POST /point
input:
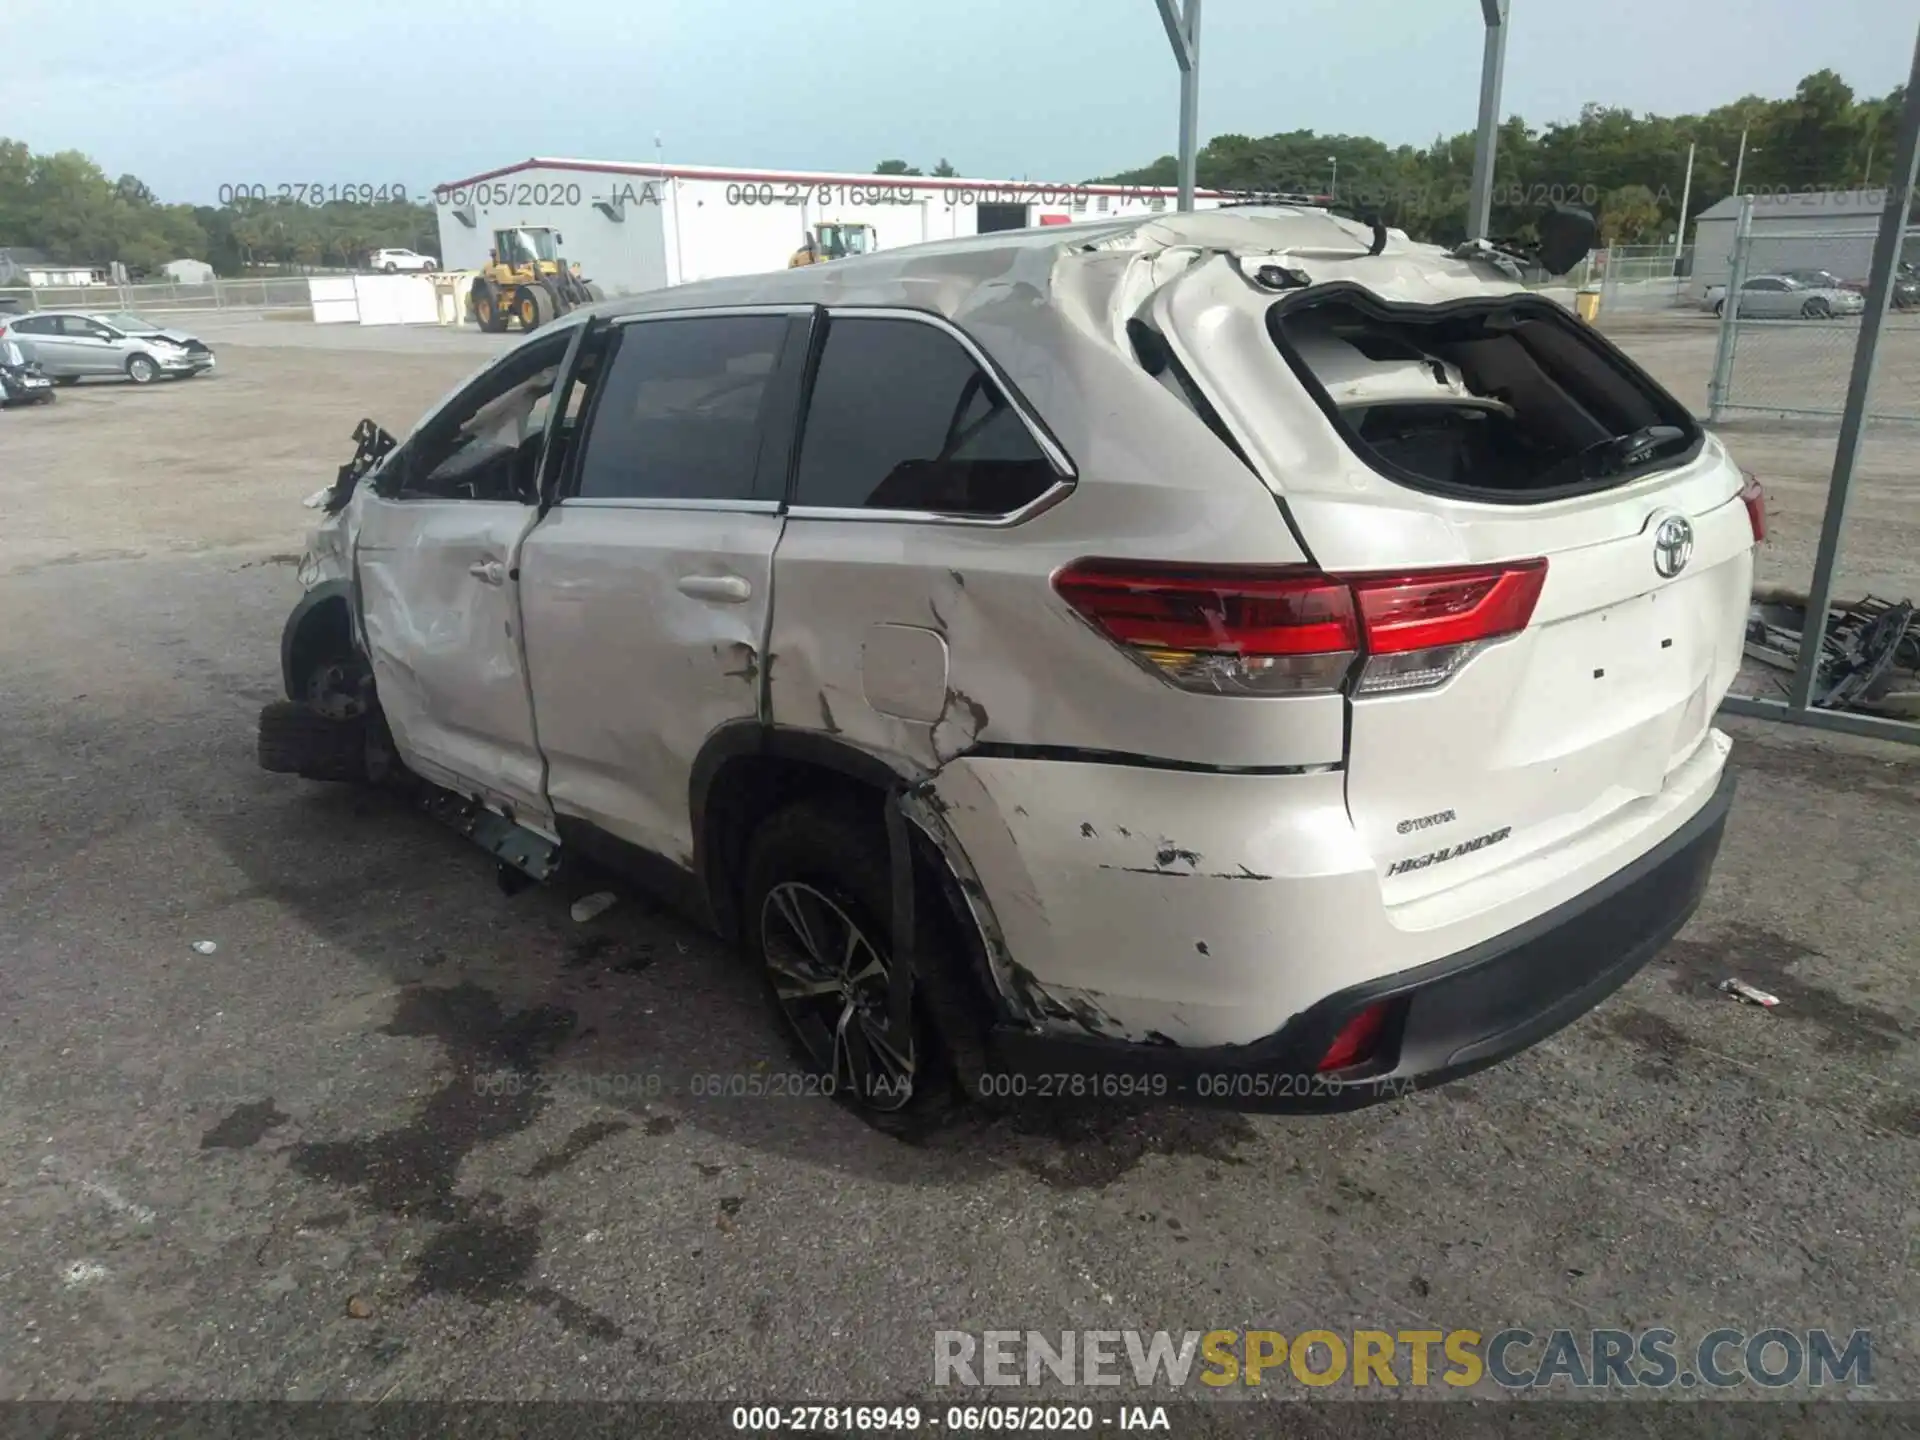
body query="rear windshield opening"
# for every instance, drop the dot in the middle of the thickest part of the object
(1506, 400)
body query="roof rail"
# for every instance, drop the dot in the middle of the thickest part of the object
(1277, 197)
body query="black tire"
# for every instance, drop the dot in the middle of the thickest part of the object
(66, 379)
(486, 308)
(535, 307)
(828, 860)
(141, 370)
(429, 267)
(1817, 309)
(392, 268)
(296, 739)
(1719, 306)
(594, 293)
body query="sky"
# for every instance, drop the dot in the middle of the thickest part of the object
(415, 93)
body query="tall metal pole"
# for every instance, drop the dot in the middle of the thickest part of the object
(1686, 198)
(1493, 64)
(1183, 33)
(1846, 455)
(1740, 163)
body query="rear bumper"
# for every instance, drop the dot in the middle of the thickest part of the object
(1450, 1017)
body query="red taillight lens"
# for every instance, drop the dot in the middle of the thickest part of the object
(1755, 499)
(1228, 630)
(1243, 630)
(1421, 628)
(1358, 1039)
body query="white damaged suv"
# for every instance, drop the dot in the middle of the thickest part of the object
(1226, 658)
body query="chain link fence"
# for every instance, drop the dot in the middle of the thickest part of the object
(1641, 279)
(286, 292)
(1789, 330)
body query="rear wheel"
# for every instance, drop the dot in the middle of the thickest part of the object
(66, 379)
(1816, 309)
(817, 915)
(1719, 306)
(141, 370)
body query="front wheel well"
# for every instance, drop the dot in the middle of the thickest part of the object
(319, 631)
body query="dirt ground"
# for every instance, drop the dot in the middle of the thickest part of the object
(271, 1168)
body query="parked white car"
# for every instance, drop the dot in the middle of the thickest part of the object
(1777, 297)
(394, 261)
(1194, 658)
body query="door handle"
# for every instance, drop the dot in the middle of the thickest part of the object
(730, 589)
(489, 572)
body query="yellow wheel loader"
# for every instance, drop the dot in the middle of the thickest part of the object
(526, 280)
(831, 241)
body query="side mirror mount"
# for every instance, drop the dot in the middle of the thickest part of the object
(558, 238)
(1566, 237)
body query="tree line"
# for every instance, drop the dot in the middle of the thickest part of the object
(1629, 169)
(65, 205)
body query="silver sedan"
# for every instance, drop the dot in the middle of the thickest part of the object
(74, 344)
(1765, 297)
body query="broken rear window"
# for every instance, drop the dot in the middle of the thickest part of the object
(1499, 399)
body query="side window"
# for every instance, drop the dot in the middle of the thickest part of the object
(682, 410)
(902, 418)
(34, 325)
(486, 444)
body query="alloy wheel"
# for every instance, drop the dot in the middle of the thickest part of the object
(831, 983)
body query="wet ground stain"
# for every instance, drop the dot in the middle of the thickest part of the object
(1760, 957)
(574, 1146)
(1664, 1047)
(244, 1128)
(480, 1252)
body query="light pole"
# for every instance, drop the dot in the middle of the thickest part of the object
(1740, 162)
(1333, 185)
(1183, 33)
(1686, 198)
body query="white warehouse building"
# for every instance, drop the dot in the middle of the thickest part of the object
(1800, 230)
(638, 227)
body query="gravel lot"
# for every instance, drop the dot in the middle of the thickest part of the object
(272, 1171)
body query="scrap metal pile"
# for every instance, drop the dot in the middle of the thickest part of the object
(1869, 657)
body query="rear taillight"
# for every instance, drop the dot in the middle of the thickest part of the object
(1421, 628)
(1224, 630)
(1247, 630)
(1755, 500)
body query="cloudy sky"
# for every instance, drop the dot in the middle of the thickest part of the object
(417, 92)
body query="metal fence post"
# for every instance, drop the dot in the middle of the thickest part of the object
(1717, 387)
(1846, 454)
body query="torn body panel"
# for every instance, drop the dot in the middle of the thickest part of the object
(646, 631)
(442, 632)
(1207, 910)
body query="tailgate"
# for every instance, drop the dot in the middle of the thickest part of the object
(1505, 747)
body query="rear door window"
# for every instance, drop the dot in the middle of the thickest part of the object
(903, 418)
(684, 410)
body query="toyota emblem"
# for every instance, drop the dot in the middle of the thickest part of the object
(1672, 546)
